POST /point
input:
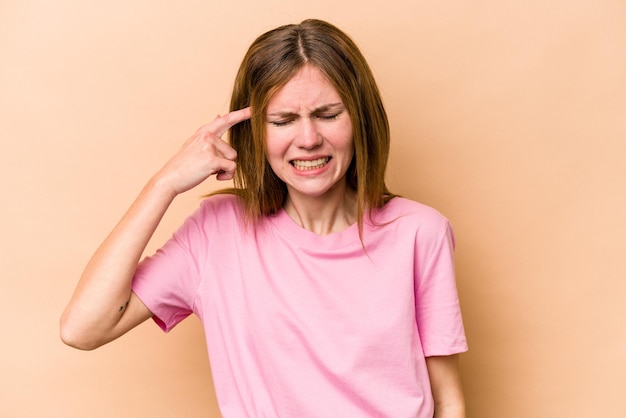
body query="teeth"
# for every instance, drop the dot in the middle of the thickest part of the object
(310, 164)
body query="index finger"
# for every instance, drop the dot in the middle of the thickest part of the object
(223, 123)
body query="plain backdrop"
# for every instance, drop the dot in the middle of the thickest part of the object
(507, 116)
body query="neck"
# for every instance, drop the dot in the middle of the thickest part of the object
(323, 215)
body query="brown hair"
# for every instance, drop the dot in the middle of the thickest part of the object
(271, 61)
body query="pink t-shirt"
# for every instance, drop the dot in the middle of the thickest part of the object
(302, 325)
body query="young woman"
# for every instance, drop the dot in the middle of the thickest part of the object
(321, 293)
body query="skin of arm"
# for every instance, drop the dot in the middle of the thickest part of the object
(445, 382)
(103, 306)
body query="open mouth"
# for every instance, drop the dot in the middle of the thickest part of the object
(310, 164)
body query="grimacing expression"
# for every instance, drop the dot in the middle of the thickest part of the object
(309, 143)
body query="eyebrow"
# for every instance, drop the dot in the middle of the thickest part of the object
(321, 109)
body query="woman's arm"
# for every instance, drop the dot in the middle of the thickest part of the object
(103, 306)
(445, 381)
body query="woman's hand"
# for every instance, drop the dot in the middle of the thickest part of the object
(204, 154)
(103, 306)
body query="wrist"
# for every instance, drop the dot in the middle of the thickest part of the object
(160, 185)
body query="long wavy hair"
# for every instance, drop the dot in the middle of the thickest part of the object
(271, 61)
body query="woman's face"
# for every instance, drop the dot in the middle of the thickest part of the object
(309, 136)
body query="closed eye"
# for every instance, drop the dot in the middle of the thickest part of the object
(329, 117)
(281, 122)
(286, 118)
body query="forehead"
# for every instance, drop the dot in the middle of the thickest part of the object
(307, 89)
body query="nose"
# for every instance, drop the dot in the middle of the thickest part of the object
(308, 135)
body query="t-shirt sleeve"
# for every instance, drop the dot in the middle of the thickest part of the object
(167, 281)
(437, 307)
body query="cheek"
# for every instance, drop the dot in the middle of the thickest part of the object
(347, 144)
(346, 136)
(275, 149)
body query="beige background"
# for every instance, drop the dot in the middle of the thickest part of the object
(508, 116)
